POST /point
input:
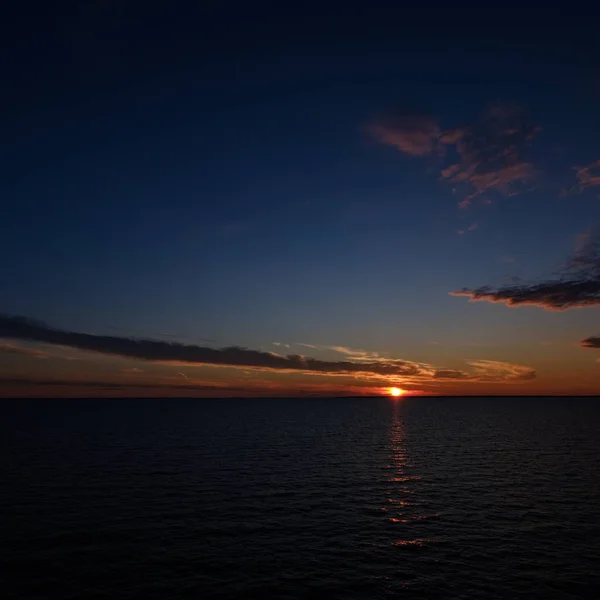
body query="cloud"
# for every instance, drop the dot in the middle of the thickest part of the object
(306, 345)
(362, 356)
(280, 344)
(20, 350)
(38, 387)
(7, 381)
(490, 153)
(587, 177)
(471, 227)
(482, 371)
(591, 342)
(488, 371)
(356, 354)
(413, 134)
(364, 365)
(578, 287)
(162, 351)
(450, 374)
(132, 370)
(550, 295)
(495, 370)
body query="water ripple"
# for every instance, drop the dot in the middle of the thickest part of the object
(423, 498)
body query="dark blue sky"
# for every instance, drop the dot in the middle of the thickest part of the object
(213, 175)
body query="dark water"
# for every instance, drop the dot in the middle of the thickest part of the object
(343, 498)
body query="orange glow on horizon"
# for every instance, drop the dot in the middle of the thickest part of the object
(396, 392)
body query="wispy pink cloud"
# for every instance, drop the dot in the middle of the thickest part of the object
(587, 177)
(471, 227)
(490, 151)
(416, 135)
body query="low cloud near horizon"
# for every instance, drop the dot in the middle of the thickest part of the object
(369, 366)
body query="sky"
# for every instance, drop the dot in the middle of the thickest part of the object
(229, 201)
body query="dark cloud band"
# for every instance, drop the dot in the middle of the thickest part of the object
(158, 350)
(591, 342)
(551, 295)
(579, 287)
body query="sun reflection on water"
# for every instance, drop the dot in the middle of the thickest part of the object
(405, 506)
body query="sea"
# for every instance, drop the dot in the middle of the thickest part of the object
(285, 498)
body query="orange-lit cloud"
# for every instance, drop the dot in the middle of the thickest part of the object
(361, 369)
(490, 152)
(587, 177)
(176, 353)
(495, 370)
(487, 371)
(413, 134)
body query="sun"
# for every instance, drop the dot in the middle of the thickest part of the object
(395, 392)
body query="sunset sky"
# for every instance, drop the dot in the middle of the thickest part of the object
(200, 203)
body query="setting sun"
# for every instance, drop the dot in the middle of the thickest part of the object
(396, 392)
